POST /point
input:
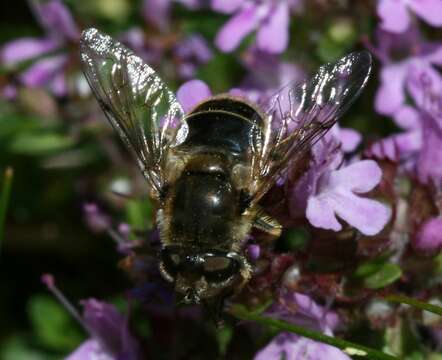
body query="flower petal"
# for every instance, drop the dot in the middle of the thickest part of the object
(90, 349)
(191, 93)
(58, 85)
(9, 92)
(56, 18)
(25, 49)
(423, 80)
(226, 6)
(359, 177)
(292, 347)
(435, 57)
(408, 143)
(321, 214)
(386, 148)
(110, 327)
(278, 348)
(429, 237)
(105, 322)
(429, 10)
(308, 307)
(231, 34)
(273, 35)
(390, 96)
(429, 164)
(366, 215)
(43, 71)
(157, 13)
(350, 139)
(407, 117)
(394, 15)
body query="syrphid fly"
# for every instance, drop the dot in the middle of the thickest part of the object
(208, 169)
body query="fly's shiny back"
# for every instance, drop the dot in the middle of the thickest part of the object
(204, 209)
(208, 170)
(223, 125)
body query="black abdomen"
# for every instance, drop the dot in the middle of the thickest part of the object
(204, 205)
(203, 208)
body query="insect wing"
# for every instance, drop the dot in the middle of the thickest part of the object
(144, 112)
(300, 114)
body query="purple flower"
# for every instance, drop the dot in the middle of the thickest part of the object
(429, 160)
(395, 14)
(348, 138)
(191, 93)
(192, 52)
(404, 145)
(49, 71)
(56, 19)
(336, 194)
(292, 347)
(271, 20)
(304, 311)
(108, 325)
(329, 190)
(301, 310)
(429, 237)
(253, 252)
(110, 337)
(95, 218)
(417, 147)
(135, 39)
(26, 48)
(395, 74)
(157, 12)
(267, 73)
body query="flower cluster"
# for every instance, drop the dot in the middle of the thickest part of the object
(362, 213)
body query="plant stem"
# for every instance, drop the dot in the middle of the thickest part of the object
(4, 200)
(348, 347)
(402, 299)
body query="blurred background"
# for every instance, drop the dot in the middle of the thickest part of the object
(67, 164)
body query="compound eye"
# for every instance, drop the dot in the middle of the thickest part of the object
(219, 268)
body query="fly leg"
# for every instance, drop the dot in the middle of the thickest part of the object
(267, 224)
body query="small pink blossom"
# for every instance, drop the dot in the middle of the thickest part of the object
(395, 14)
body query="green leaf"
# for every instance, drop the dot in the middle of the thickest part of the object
(17, 348)
(224, 336)
(220, 73)
(402, 299)
(402, 340)
(4, 201)
(40, 144)
(12, 124)
(335, 43)
(139, 214)
(52, 324)
(369, 268)
(296, 239)
(384, 276)
(435, 356)
(438, 264)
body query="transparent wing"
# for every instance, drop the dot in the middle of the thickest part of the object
(300, 114)
(138, 104)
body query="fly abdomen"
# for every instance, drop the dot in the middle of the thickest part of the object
(203, 208)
